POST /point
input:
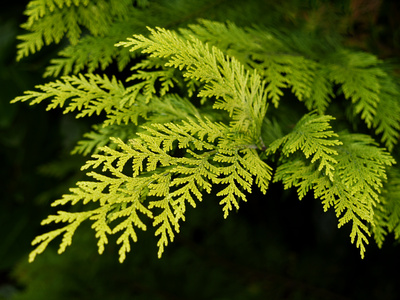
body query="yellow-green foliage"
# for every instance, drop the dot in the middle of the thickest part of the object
(192, 119)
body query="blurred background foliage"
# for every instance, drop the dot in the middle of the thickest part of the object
(257, 253)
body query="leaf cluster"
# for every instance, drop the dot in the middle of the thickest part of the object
(192, 118)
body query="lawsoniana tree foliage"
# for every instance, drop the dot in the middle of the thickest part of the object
(205, 97)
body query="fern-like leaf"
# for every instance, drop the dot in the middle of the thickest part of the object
(156, 153)
(359, 179)
(359, 76)
(312, 136)
(90, 94)
(49, 21)
(237, 91)
(387, 213)
(387, 118)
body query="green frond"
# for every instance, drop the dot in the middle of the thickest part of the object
(189, 134)
(50, 21)
(129, 232)
(74, 220)
(100, 136)
(233, 176)
(94, 94)
(312, 136)
(226, 35)
(165, 220)
(101, 227)
(193, 178)
(387, 213)
(190, 117)
(394, 224)
(165, 77)
(135, 108)
(236, 173)
(236, 91)
(359, 176)
(43, 240)
(88, 55)
(158, 185)
(321, 91)
(379, 230)
(93, 52)
(270, 53)
(118, 191)
(257, 167)
(90, 94)
(361, 158)
(359, 76)
(231, 171)
(169, 181)
(188, 188)
(354, 188)
(287, 71)
(297, 173)
(387, 117)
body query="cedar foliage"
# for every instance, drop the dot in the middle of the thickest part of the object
(210, 106)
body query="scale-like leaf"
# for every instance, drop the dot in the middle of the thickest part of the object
(312, 136)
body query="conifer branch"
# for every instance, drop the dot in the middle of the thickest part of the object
(312, 137)
(354, 188)
(192, 119)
